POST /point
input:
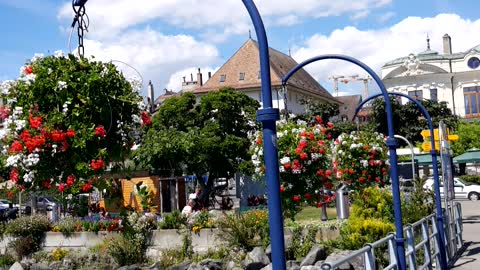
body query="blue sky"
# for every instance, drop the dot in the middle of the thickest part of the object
(166, 40)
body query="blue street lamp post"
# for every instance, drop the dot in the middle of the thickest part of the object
(391, 143)
(433, 153)
(268, 116)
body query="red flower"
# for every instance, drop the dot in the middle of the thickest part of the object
(329, 185)
(287, 166)
(38, 140)
(321, 151)
(58, 136)
(296, 198)
(97, 164)
(303, 134)
(35, 122)
(28, 70)
(328, 173)
(311, 136)
(258, 141)
(329, 135)
(330, 124)
(146, 121)
(377, 179)
(303, 156)
(100, 131)
(70, 133)
(86, 187)
(17, 146)
(361, 179)
(323, 130)
(14, 175)
(47, 184)
(25, 135)
(365, 147)
(307, 196)
(302, 144)
(70, 180)
(4, 112)
(10, 194)
(319, 204)
(318, 119)
(61, 187)
(350, 171)
(320, 172)
(321, 143)
(282, 188)
(298, 150)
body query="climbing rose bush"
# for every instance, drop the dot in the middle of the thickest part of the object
(361, 159)
(65, 121)
(305, 163)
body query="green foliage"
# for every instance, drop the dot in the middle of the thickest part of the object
(62, 101)
(208, 137)
(33, 226)
(419, 204)
(404, 115)
(6, 260)
(173, 220)
(124, 251)
(323, 109)
(212, 254)
(24, 246)
(373, 202)
(468, 137)
(67, 225)
(474, 179)
(302, 241)
(246, 230)
(59, 253)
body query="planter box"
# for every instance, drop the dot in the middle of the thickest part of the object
(76, 240)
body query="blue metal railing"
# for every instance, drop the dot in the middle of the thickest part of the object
(425, 232)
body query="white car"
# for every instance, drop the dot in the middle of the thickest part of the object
(462, 190)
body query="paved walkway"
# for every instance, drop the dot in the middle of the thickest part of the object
(470, 258)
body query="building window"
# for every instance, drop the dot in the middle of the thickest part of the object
(473, 63)
(434, 95)
(223, 77)
(471, 97)
(416, 94)
(241, 76)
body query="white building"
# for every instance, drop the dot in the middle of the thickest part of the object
(450, 77)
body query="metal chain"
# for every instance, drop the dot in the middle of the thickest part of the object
(83, 22)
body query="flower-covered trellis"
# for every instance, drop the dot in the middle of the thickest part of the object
(360, 159)
(65, 119)
(305, 166)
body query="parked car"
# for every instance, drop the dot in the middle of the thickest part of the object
(44, 203)
(463, 190)
(6, 203)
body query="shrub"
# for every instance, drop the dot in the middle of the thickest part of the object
(6, 260)
(124, 251)
(202, 220)
(301, 242)
(67, 225)
(24, 246)
(357, 232)
(373, 202)
(173, 220)
(246, 230)
(33, 226)
(58, 254)
(419, 204)
(474, 179)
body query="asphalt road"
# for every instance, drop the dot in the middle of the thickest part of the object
(470, 258)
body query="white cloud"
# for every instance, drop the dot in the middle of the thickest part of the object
(176, 79)
(384, 17)
(154, 55)
(376, 47)
(227, 17)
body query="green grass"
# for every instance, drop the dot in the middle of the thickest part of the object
(312, 214)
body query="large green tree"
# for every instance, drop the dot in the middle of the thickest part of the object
(468, 137)
(408, 119)
(205, 138)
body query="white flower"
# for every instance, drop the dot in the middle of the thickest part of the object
(28, 177)
(279, 134)
(364, 163)
(136, 119)
(65, 108)
(13, 161)
(284, 160)
(37, 56)
(58, 53)
(31, 160)
(61, 85)
(254, 157)
(281, 169)
(5, 86)
(301, 122)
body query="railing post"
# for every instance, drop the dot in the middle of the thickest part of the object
(369, 258)
(446, 230)
(459, 223)
(392, 250)
(412, 262)
(426, 247)
(436, 242)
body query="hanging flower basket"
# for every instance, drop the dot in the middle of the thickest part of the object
(65, 121)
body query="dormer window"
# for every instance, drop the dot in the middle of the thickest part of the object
(241, 76)
(223, 77)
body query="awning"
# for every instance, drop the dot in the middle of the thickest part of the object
(425, 159)
(471, 156)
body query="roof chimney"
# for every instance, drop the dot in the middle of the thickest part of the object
(150, 97)
(447, 44)
(199, 78)
(209, 75)
(191, 77)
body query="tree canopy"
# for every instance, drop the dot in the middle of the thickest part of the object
(468, 137)
(405, 115)
(205, 138)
